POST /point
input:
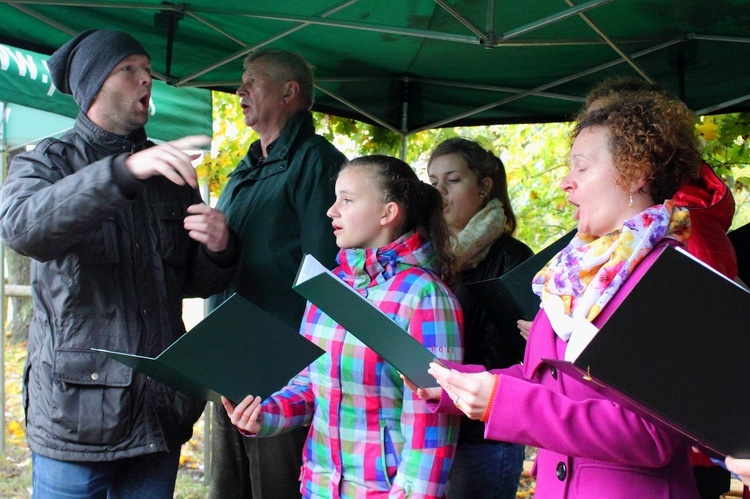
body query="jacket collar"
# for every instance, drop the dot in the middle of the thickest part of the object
(362, 268)
(109, 142)
(710, 195)
(301, 125)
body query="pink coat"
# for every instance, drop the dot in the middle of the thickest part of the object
(589, 446)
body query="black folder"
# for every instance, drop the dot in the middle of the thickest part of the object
(237, 350)
(677, 351)
(364, 320)
(509, 298)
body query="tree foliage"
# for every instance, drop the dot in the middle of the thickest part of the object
(727, 150)
(535, 158)
(229, 145)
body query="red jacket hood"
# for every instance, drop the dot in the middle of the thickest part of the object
(711, 206)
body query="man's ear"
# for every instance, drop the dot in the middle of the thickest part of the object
(291, 91)
(391, 213)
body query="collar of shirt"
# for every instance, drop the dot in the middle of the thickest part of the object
(256, 153)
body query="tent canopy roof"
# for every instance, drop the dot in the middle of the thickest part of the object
(418, 64)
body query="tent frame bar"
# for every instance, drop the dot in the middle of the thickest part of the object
(482, 37)
(537, 90)
(243, 52)
(358, 109)
(614, 46)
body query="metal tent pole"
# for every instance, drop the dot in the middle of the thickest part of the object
(208, 412)
(3, 155)
(404, 116)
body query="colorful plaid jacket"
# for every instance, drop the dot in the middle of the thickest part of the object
(370, 435)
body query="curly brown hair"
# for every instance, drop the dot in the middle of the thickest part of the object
(617, 88)
(650, 139)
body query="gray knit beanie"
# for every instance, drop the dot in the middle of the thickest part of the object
(80, 67)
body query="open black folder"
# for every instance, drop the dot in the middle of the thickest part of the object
(677, 351)
(364, 320)
(509, 298)
(237, 350)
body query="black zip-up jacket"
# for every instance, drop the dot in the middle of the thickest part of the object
(111, 263)
(484, 342)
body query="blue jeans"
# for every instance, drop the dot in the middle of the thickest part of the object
(149, 476)
(489, 471)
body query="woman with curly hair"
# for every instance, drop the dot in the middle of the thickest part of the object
(627, 160)
(708, 199)
(711, 206)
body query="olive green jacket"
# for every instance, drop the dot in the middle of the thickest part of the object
(278, 207)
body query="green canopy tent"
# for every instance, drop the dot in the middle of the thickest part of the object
(410, 65)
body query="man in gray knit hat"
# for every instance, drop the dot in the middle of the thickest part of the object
(117, 234)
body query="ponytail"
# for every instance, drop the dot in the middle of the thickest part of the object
(431, 226)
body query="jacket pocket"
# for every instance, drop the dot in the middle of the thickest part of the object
(100, 246)
(593, 480)
(389, 455)
(90, 401)
(173, 238)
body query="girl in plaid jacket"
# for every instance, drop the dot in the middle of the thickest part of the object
(370, 436)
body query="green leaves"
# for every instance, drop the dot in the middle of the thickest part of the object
(230, 142)
(726, 148)
(535, 158)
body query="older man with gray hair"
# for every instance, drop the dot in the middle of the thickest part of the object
(276, 199)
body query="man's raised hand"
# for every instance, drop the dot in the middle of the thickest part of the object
(169, 160)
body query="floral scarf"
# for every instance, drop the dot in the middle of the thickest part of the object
(472, 244)
(580, 280)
